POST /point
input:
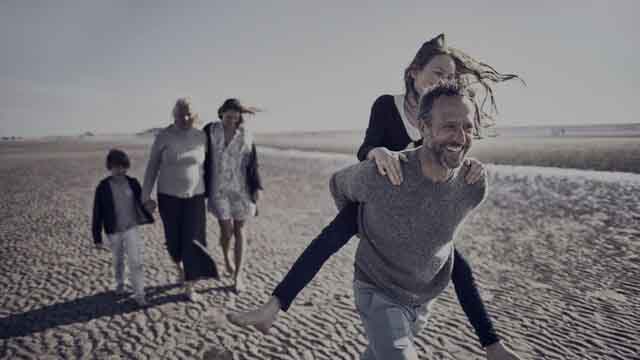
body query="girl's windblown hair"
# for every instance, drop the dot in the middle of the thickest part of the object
(471, 72)
(233, 104)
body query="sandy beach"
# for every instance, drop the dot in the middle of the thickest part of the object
(556, 254)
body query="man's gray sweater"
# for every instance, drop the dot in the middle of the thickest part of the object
(406, 231)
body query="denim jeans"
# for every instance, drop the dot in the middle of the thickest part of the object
(390, 327)
(335, 235)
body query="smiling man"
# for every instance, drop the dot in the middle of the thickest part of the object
(405, 256)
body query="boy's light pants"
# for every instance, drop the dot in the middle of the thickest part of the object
(389, 326)
(128, 243)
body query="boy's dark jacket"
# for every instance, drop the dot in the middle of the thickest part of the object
(254, 182)
(104, 215)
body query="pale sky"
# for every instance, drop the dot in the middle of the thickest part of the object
(118, 66)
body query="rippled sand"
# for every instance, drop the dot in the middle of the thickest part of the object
(556, 254)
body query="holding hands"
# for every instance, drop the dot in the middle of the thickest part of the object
(150, 206)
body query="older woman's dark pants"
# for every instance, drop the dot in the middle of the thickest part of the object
(185, 221)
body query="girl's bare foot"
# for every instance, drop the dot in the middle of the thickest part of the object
(238, 284)
(261, 318)
(191, 293)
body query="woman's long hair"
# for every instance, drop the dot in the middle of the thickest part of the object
(234, 104)
(468, 70)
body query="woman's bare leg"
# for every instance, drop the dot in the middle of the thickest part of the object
(239, 251)
(226, 232)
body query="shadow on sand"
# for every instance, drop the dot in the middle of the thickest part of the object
(81, 310)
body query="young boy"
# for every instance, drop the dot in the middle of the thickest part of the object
(118, 208)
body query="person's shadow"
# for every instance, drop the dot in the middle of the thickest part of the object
(81, 310)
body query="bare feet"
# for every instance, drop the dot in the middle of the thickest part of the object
(238, 284)
(262, 318)
(191, 293)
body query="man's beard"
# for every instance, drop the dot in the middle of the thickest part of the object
(446, 158)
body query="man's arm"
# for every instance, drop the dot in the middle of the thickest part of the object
(356, 183)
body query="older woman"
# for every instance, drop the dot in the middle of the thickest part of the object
(177, 163)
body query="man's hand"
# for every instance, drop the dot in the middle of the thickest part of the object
(388, 163)
(498, 351)
(475, 171)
